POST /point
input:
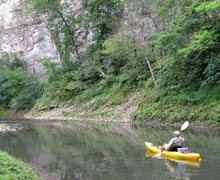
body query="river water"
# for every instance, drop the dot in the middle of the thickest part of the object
(98, 151)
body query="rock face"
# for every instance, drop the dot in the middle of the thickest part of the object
(139, 20)
(27, 37)
(83, 34)
(30, 38)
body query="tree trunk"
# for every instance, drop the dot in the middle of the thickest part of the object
(152, 72)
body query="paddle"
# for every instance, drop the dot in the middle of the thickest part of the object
(183, 127)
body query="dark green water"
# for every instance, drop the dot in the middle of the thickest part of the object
(95, 151)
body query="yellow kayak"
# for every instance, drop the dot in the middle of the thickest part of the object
(182, 161)
(171, 154)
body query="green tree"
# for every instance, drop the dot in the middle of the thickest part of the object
(190, 41)
(18, 89)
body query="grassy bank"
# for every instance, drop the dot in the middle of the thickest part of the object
(197, 107)
(172, 112)
(107, 80)
(114, 102)
(146, 104)
(11, 168)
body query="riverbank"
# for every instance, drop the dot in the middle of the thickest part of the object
(56, 114)
(67, 113)
(11, 168)
(137, 107)
(90, 110)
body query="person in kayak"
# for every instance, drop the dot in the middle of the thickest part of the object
(175, 143)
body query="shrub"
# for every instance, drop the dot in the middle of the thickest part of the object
(18, 90)
(11, 168)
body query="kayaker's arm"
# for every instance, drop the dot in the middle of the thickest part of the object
(169, 145)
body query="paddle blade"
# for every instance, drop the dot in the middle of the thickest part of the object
(184, 126)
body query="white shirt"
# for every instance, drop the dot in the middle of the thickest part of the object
(176, 141)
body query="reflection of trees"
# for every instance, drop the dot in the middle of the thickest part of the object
(31, 147)
(74, 150)
(92, 151)
(21, 144)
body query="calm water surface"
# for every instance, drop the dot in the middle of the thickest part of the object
(97, 151)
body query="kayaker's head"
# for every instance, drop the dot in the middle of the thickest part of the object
(176, 133)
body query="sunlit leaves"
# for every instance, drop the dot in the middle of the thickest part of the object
(200, 41)
(119, 46)
(190, 39)
(209, 6)
(10, 168)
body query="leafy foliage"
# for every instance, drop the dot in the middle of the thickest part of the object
(189, 67)
(209, 6)
(11, 168)
(190, 41)
(212, 72)
(120, 64)
(184, 56)
(18, 89)
(102, 13)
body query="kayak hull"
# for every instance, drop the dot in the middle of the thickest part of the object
(182, 161)
(171, 154)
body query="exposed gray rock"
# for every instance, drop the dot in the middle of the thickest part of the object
(30, 38)
(140, 20)
(27, 37)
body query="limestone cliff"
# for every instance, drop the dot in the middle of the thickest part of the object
(30, 38)
(27, 37)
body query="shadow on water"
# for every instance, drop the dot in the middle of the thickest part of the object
(98, 151)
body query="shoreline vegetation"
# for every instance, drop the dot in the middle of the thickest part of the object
(171, 76)
(11, 168)
(125, 113)
(163, 79)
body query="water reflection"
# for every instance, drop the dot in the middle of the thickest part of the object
(177, 169)
(95, 151)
